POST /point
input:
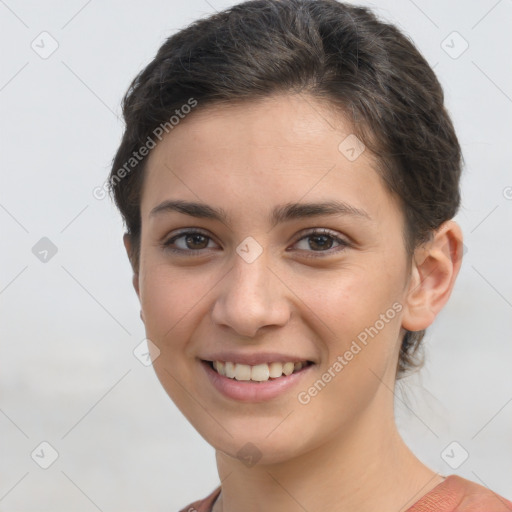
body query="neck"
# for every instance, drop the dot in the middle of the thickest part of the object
(367, 467)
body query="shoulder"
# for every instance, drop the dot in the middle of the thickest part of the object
(204, 505)
(456, 494)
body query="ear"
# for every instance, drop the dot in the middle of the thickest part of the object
(127, 240)
(434, 269)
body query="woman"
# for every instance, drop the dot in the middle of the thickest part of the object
(288, 178)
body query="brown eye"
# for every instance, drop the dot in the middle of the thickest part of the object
(196, 241)
(321, 241)
(189, 241)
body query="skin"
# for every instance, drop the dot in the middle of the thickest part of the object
(342, 450)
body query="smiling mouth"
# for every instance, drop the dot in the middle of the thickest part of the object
(257, 373)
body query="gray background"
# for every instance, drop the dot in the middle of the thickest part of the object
(68, 375)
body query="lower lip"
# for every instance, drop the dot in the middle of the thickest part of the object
(250, 391)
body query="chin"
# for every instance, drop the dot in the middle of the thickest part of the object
(256, 440)
(261, 452)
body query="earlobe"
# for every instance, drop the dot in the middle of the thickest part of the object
(434, 270)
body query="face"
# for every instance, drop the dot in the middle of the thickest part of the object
(265, 243)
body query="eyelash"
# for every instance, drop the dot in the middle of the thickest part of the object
(343, 244)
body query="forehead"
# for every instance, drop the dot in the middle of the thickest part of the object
(270, 125)
(278, 149)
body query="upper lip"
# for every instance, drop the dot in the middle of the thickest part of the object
(254, 359)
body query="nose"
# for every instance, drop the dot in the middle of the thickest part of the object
(251, 297)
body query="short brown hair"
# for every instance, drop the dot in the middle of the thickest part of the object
(340, 54)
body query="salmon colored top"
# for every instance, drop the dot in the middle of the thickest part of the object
(454, 494)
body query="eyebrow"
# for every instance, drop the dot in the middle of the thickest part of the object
(280, 214)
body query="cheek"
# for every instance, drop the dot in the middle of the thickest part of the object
(363, 316)
(172, 303)
(361, 309)
(352, 300)
(168, 300)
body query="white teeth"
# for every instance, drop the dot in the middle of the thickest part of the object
(288, 368)
(242, 372)
(230, 369)
(275, 370)
(258, 373)
(221, 369)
